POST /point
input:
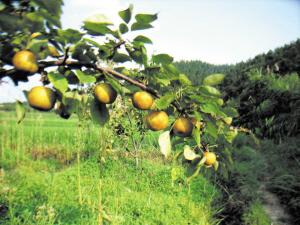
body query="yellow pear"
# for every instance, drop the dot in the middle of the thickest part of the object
(41, 98)
(157, 120)
(142, 100)
(25, 60)
(183, 127)
(211, 158)
(105, 93)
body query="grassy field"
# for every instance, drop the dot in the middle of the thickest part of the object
(54, 171)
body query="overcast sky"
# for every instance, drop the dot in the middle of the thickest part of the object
(215, 31)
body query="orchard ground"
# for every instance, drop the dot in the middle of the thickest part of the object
(54, 172)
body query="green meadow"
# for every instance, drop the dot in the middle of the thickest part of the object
(57, 171)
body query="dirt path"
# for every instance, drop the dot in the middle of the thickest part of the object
(274, 208)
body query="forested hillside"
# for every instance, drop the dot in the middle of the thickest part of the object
(196, 70)
(266, 92)
(269, 80)
(282, 60)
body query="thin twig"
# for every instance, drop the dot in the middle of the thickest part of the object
(66, 56)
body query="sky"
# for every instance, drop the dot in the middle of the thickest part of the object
(214, 31)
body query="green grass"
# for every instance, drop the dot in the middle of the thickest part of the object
(256, 215)
(54, 172)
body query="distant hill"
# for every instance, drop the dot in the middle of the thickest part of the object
(282, 60)
(196, 70)
(265, 89)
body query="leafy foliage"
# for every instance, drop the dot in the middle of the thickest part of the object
(269, 104)
(97, 54)
(265, 90)
(283, 60)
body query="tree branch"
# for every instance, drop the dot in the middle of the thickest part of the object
(76, 64)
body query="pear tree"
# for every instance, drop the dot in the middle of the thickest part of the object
(92, 66)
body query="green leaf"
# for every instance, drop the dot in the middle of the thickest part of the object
(142, 39)
(162, 59)
(136, 55)
(99, 112)
(140, 26)
(198, 116)
(197, 136)
(164, 142)
(117, 86)
(208, 90)
(212, 129)
(36, 21)
(139, 54)
(144, 56)
(126, 14)
(98, 19)
(228, 120)
(220, 101)
(20, 111)
(97, 29)
(97, 25)
(210, 108)
(11, 23)
(120, 58)
(72, 101)
(53, 7)
(184, 80)
(93, 42)
(59, 81)
(165, 101)
(55, 20)
(214, 79)
(70, 35)
(171, 69)
(216, 165)
(145, 18)
(162, 81)
(230, 135)
(189, 154)
(36, 45)
(84, 78)
(123, 28)
(232, 112)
